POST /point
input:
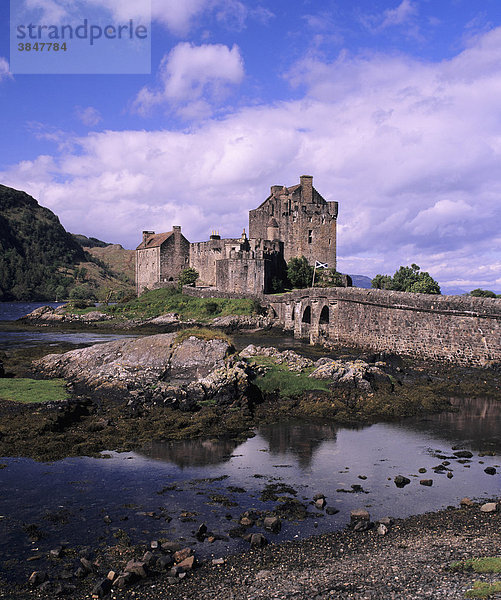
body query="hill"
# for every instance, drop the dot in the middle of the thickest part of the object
(40, 260)
(361, 281)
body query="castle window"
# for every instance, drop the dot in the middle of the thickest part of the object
(324, 315)
(310, 236)
(306, 315)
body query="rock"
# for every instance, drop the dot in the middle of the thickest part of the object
(463, 454)
(490, 470)
(107, 519)
(427, 482)
(362, 525)
(164, 562)
(318, 497)
(218, 561)
(449, 475)
(123, 580)
(137, 568)
(385, 521)
(56, 552)
(257, 540)
(102, 589)
(246, 522)
(37, 577)
(330, 510)
(359, 514)
(187, 563)
(148, 558)
(171, 547)
(86, 564)
(401, 481)
(273, 524)
(466, 502)
(489, 507)
(181, 555)
(234, 322)
(422, 470)
(201, 531)
(320, 503)
(382, 529)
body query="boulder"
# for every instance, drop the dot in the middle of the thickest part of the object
(272, 523)
(490, 470)
(427, 482)
(489, 507)
(401, 481)
(257, 540)
(359, 514)
(463, 454)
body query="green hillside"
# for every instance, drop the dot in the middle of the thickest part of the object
(40, 260)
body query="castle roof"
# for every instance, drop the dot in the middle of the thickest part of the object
(155, 240)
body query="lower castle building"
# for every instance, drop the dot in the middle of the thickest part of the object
(292, 221)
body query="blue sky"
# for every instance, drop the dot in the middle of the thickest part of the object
(393, 106)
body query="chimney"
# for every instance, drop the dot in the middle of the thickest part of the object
(306, 188)
(146, 235)
(177, 230)
(276, 190)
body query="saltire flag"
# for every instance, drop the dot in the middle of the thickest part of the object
(319, 265)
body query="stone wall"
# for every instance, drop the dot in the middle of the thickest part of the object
(174, 256)
(147, 268)
(462, 330)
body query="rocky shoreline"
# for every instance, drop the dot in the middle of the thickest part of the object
(403, 558)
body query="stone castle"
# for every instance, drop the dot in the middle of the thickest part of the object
(292, 221)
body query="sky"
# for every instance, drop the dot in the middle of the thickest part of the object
(393, 106)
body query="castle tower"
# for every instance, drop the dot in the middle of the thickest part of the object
(301, 218)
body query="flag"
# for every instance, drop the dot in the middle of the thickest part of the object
(319, 265)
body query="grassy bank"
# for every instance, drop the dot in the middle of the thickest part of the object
(32, 391)
(159, 302)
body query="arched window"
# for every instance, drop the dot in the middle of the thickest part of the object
(324, 315)
(307, 315)
(293, 315)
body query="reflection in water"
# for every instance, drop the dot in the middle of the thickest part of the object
(191, 453)
(476, 424)
(301, 439)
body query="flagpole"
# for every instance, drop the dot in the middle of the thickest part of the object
(314, 270)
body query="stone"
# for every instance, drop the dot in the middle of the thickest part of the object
(164, 562)
(359, 514)
(466, 502)
(386, 521)
(490, 470)
(148, 558)
(218, 561)
(36, 578)
(86, 564)
(401, 481)
(449, 475)
(56, 553)
(320, 503)
(171, 547)
(382, 529)
(257, 540)
(422, 470)
(246, 522)
(180, 555)
(201, 531)
(187, 563)
(122, 581)
(318, 497)
(489, 507)
(102, 588)
(273, 524)
(107, 519)
(463, 454)
(137, 568)
(330, 510)
(427, 482)
(154, 545)
(111, 575)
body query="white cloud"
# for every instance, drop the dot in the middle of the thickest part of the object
(411, 150)
(194, 77)
(399, 15)
(4, 69)
(89, 116)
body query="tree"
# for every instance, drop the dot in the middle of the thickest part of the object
(187, 277)
(328, 278)
(299, 272)
(407, 279)
(479, 293)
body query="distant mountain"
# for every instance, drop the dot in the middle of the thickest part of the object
(453, 291)
(87, 242)
(361, 281)
(40, 260)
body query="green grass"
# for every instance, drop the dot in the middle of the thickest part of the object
(278, 378)
(487, 564)
(28, 391)
(159, 302)
(201, 333)
(482, 589)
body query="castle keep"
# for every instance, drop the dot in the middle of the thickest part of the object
(292, 221)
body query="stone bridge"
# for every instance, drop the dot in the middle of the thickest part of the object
(460, 329)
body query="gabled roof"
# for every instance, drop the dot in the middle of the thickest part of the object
(155, 240)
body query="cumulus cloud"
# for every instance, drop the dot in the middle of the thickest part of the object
(89, 116)
(399, 15)
(4, 69)
(192, 78)
(411, 150)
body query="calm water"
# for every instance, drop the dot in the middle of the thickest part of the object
(28, 337)
(68, 499)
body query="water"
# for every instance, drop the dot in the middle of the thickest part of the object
(12, 337)
(68, 499)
